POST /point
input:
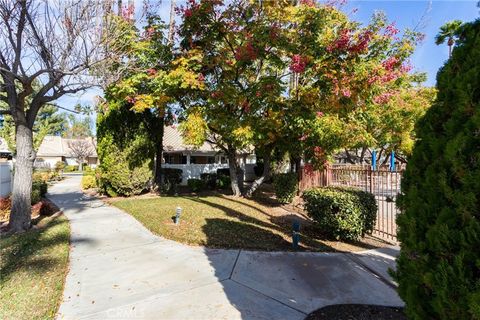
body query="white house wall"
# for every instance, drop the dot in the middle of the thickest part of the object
(193, 171)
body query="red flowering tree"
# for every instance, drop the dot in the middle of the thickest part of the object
(345, 74)
(293, 78)
(243, 69)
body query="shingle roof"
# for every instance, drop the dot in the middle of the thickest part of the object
(55, 146)
(173, 141)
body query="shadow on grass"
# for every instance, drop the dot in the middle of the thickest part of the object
(241, 236)
(24, 251)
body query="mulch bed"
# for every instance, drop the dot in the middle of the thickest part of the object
(357, 312)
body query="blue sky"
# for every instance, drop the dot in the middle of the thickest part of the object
(428, 15)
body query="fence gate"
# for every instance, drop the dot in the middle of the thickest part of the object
(382, 183)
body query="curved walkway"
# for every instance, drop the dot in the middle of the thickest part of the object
(119, 270)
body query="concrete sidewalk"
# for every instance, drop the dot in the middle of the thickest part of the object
(119, 270)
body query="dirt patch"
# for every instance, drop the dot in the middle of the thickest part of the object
(357, 312)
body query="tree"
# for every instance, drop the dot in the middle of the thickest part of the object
(52, 44)
(439, 227)
(448, 32)
(152, 81)
(250, 55)
(78, 127)
(49, 122)
(237, 49)
(81, 149)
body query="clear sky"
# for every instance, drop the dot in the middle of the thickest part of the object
(427, 16)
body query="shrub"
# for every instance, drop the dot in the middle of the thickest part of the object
(36, 196)
(71, 168)
(5, 206)
(439, 228)
(59, 166)
(41, 186)
(196, 184)
(286, 186)
(341, 213)
(88, 182)
(119, 179)
(209, 180)
(88, 171)
(171, 179)
(223, 172)
(258, 169)
(223, 182)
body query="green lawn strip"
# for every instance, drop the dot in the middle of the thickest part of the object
(225, 222)
(33, 267)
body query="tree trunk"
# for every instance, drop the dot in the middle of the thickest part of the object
(159, 131)
(266, 174)
(171, 25)
(234, 169)
(20, 216)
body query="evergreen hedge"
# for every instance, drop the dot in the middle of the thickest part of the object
(286, 186)
(439, 228)
(341, 213)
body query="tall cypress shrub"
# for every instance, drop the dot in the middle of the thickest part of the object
(439, 228)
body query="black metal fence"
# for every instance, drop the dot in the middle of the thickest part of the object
(382, 183)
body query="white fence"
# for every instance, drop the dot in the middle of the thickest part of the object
(193, 171)
(6, 178)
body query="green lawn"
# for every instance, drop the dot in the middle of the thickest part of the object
(221, 221)
(33, 267)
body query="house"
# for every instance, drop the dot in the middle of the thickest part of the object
(57, 149)
(197, 160)
(5, 153)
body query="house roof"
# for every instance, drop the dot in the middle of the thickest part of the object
(173, 141)
(55, 146)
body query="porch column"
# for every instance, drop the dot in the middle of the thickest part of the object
(188, 158)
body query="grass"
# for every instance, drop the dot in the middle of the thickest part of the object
(221, 221)
(33, 267)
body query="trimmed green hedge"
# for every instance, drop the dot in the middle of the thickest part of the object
(171, 179)
(209, 179)
(223, 182)
(196, 184)
(286, 186)
(341, 213)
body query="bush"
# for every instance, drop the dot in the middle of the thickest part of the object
(341, 213)
(209, 180)
(195, 184)
(88, 171)
(223, 172)
(286, 186)
(88, 182)
(258, 169)
(71, 168)
(223, 182)
(119, 179)
(59, 166)
(5, 206)
(439, 228)
(41, 186)
(171, 179)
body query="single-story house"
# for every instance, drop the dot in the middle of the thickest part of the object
(5, 153)
(204, 159)
(57, 149)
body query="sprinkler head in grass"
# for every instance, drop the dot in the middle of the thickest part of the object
(178, 213)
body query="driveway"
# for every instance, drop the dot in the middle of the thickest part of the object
(119, 270)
